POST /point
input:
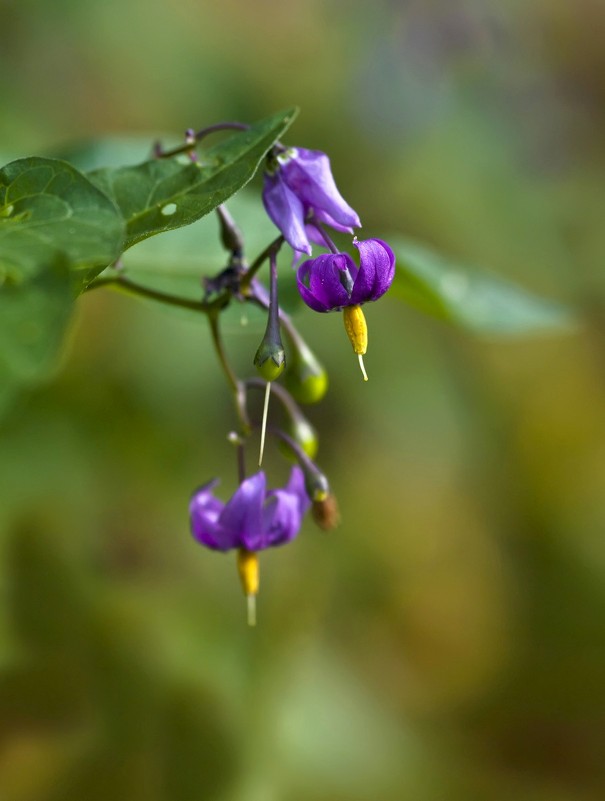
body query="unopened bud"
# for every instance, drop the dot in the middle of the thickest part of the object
(326, 513)
(270, 358)
(306, 378)
(302, 432)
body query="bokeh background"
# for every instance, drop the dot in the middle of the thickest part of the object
(448, 640)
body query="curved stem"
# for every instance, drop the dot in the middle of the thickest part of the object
(271, 344)
(259, 261)
(221, 126)
(221, 353)
(281, 393)
(128, 286)
(273, 329)
(237, 387)
(231, 236)
(321, 230)
(241, 462)
(197, 137)
(285, 320)
(302, 457)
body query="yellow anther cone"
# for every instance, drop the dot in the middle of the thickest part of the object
(357, 331)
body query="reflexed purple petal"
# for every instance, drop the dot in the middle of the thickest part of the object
(297, 258)
(309, 175)
(285, 509)
(328, 279)
(204, 512)
(324, 217)
(286, 211)
(366, 277)
(302, 275)
(376, 270)
(241, 519)
(296, 486)
(315, 236)
(325, 279)
(281, 518)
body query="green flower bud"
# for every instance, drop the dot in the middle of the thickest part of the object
(303, 433)
(306, 378)
(270, 358)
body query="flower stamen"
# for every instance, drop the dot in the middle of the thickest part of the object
(251, 607)
(263, 429)
(362, 366)
(357, 331)
(247, 565)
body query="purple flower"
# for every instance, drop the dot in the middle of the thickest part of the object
(332, 281)
(254, 518)
(300, 188)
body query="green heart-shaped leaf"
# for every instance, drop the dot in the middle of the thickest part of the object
(49, 209)
(57, 231)
(164, 194)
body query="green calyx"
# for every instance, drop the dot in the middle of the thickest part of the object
(276, 158)
(306, 379)
(316, 483)
(270, 359)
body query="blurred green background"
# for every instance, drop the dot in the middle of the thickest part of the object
(448, 640)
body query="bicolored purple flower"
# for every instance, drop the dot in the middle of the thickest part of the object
(333, 281)
(254, 518)
(299, 188)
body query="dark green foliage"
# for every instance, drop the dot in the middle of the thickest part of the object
(165, 194)
(58, 231)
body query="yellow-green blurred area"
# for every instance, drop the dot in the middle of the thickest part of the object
(447, 642)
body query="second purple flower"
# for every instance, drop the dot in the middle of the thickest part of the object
(299, 188)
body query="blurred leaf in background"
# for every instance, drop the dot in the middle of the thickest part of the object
(471, 299)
